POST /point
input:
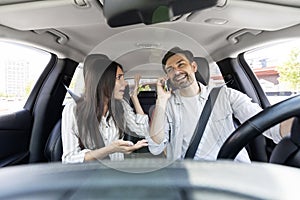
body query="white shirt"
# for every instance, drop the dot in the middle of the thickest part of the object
(219, 126)
(191, 108)
(72, 153)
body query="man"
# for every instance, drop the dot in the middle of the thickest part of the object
(177, 112)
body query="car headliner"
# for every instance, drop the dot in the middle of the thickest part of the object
(74, 29)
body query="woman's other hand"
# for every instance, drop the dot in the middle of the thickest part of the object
(127, 147)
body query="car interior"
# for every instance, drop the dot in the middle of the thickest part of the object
(218, 32)
(252, 46)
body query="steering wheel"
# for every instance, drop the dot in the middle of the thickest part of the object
(259, 123)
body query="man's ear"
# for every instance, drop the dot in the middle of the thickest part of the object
(194, 66)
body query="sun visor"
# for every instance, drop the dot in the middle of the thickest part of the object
(129, 12)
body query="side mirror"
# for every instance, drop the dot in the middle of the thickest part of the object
(128, 12)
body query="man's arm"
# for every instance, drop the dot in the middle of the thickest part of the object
(244, 109)
(158, 119)
(285, 127)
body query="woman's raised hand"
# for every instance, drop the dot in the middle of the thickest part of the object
(137, 79)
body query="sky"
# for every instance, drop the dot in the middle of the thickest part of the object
(275, 53)
(35, 58)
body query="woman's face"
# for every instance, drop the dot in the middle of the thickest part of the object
(120, 84)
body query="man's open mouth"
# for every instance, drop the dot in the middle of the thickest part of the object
(180, 77)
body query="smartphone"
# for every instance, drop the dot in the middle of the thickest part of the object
(168, 85)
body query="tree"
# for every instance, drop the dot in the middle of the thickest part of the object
(290, 70)
(28, 88)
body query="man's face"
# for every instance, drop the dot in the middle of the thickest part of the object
(180, 71)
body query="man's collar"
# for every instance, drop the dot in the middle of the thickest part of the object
(204, 91)
(203, 94)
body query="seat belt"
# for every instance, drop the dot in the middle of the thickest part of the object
(72, 94)
(191, 151)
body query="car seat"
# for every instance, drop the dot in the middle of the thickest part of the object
(53, 148)
(147, 99)
(203, 73)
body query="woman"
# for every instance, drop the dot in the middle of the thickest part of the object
(93, 126)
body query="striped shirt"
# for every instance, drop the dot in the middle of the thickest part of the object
(72, 153)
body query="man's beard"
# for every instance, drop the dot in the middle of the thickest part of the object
(184, 82)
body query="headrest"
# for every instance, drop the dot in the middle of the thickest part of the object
(102, 60)
(147, 94)
(203, 73)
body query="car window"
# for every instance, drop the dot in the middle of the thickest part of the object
(277, 68)
(216, 78)
(20, 67)
(77, 84)
(149, 84)
(145, 84)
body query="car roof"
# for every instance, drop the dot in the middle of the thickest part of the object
(74, 29)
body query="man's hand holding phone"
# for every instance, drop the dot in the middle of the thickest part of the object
(162, 88)
(166, 86)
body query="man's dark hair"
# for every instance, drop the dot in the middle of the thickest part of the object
(176, 50)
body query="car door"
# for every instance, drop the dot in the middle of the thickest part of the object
(268, 75)
(239, 76)
(28, 114)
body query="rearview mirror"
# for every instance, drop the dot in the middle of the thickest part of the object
(128, 12)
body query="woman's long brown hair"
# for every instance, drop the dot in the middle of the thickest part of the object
(99, 78)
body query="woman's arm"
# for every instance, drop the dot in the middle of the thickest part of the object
(136, 123)
(136, 103)
(120, 146)
(72, 152)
